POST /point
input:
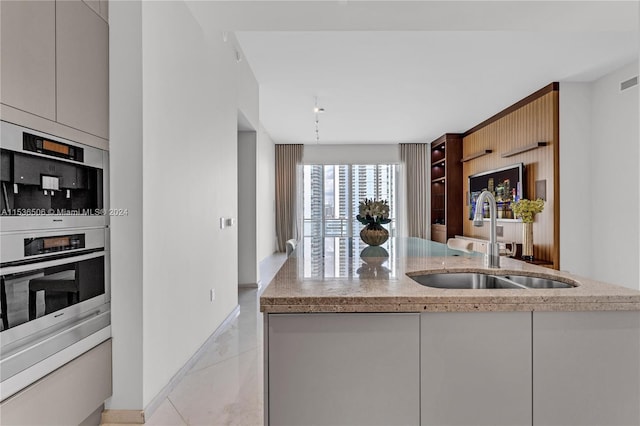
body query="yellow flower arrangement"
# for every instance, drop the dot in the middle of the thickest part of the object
(527, 209)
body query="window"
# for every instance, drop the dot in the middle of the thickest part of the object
(331, 194)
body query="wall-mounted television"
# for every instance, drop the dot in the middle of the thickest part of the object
(507, 184)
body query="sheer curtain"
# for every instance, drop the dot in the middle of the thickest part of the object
(288, 160)
(415, 160)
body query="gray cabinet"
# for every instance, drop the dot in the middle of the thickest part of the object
(65, 397)
(454, 368)
(343, 369)
(55, 68)
(476, 368)
(28, 73)
(82, 61)
(586, 368)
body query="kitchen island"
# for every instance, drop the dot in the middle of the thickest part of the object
(351, 339)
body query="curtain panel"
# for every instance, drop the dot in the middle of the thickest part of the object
(288, 158)
(415, 158)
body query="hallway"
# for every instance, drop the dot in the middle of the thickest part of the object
(225, 386)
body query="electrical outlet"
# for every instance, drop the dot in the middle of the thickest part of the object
(222, 223)
(212, 295)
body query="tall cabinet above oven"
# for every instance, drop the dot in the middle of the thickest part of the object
(55, 68)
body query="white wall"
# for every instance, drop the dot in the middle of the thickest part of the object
(614, 202)
(247, 85)
(247, 219)
(575, 172)
(189, 175)
(265, 195)
(174, 166)
(351, 154)
(599, 135)
(125, 57)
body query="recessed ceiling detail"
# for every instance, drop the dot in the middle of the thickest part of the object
(408, 71)
(413, 86)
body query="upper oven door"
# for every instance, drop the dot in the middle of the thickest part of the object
(49, 182)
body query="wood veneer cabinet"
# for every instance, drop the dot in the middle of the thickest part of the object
(446, 187)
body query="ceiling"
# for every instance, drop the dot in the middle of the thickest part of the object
(457, 64)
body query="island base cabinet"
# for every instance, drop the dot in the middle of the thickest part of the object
(476, 368)
(343, 369)
(586, 368)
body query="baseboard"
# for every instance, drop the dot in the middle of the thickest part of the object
(122, 417)
(164, 393)
(250, 285)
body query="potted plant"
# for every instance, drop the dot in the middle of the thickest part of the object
(527, 210)
(373, 214)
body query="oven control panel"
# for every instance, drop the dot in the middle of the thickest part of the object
(58, 243)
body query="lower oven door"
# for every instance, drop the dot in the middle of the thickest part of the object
(46, 303)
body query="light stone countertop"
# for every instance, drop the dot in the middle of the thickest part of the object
(330, 275)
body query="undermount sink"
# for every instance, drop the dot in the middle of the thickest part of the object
(470, 280)
(535, 282)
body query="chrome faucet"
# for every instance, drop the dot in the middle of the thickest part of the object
(492, 257)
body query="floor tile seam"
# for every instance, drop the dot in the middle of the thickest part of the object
(178, 411)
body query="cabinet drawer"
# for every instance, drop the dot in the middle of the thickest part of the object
(66, 396)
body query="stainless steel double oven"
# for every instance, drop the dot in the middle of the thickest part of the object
(54, 246)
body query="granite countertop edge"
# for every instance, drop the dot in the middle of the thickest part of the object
(289, 294)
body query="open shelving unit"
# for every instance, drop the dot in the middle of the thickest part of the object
(446, 187)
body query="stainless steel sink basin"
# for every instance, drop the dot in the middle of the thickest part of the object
(469, 280)
(464, 281)
(534, 282)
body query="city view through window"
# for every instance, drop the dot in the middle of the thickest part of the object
(332, 193)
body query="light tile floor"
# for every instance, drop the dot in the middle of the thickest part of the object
(225, 386)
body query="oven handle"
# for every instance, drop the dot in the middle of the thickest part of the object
(49, 263)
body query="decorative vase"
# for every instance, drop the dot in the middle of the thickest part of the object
(527, 241)
(374, 234)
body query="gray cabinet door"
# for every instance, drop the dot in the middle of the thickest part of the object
(476, 368)
(586, 368)
(65, 397)
(28, 74)
(82, 59)
(343, 369)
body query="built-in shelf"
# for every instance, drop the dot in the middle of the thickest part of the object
(523, 149)
(446, 187)
(476, 155)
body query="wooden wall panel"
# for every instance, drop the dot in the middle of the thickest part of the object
(533, 122)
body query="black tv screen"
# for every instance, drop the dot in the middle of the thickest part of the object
(506, 184)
